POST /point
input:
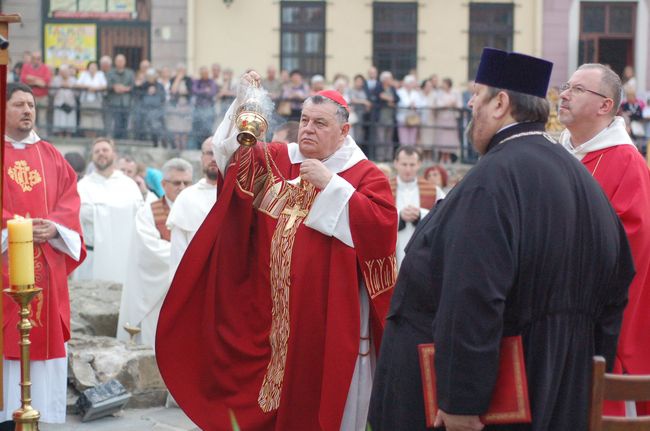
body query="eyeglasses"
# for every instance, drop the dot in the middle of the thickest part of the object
(579, 89)
(179, 183)
(208, 153)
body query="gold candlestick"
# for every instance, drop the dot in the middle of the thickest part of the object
(26, 417)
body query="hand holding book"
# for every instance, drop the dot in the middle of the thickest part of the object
(509, 402)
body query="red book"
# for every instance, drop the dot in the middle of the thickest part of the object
(509, 402)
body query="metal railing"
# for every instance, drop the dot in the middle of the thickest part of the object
(179, 123)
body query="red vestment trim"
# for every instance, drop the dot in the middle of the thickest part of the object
(160, 211)
(427, 190)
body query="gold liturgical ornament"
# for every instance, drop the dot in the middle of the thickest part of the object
(133, 331)
(250, 117)
(251, 123)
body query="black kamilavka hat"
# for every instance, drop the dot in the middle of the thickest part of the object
(514, 71)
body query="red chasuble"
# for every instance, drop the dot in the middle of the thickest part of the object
(262, 317)
(39, 183)
(623, 174)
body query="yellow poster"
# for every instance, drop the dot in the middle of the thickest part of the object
(74, 44)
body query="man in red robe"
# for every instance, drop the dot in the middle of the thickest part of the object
(277, 308)
(38, 183)
(597, 137)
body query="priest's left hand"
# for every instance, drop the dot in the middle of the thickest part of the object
(315, 172)
(458, 422)
(44, 230)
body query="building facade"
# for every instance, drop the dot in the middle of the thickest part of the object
(610, 32)
(348, 36)
(338, 36)
(78, 31)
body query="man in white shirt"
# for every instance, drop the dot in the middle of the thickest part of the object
(109, 202)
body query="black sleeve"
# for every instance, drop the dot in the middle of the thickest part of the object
(479, 270)
(608, 324)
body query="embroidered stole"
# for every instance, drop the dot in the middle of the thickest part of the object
(289, 204)
(426, 188)
(160, 211)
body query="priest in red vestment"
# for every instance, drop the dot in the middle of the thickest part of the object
(597, 137)
(276, 311)
(38, 183)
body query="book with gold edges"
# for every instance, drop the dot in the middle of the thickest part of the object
(509, 403)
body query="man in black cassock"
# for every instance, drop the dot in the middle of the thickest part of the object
(526, 244)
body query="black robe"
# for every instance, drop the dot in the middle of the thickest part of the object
(527, 243)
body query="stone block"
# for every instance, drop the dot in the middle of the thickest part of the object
(95, 360)
(94, 306)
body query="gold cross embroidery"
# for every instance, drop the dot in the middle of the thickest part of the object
(24, 176)
(294, 213)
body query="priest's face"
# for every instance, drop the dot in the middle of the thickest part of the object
(175, 182)
(483, 126)
(208, 164)
(579, 104)
(320, 134)
(21, 112)
(103, 155)
(129, 167)
(407, 166)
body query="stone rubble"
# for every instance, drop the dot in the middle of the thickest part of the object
(96, 356)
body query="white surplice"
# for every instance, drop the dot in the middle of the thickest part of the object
(191, 207)
(408, 193)
(108, 209)
(147, 279)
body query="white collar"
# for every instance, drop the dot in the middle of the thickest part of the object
(344, 158)
(613, 135)
(117, 174)
(32, 138)
(204, 184)
(406, 184)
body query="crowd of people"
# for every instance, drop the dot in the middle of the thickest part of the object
(321, 268)
(172, 108)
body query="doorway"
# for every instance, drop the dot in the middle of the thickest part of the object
(131, 40)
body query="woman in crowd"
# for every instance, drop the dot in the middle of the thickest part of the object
(92, 82)
(179, 111)
(408, 114)
(447, 136)
(437, 175)
(360, 106)
(64, 122)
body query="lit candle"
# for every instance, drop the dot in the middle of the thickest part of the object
(21, 251)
